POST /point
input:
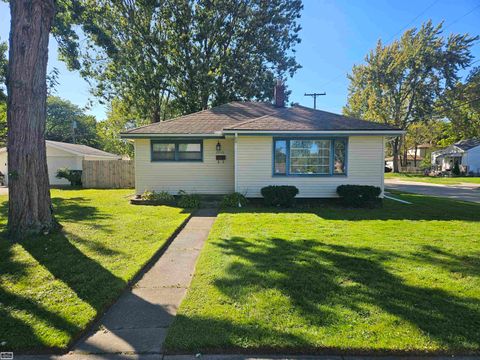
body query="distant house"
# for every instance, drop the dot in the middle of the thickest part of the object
(465, 153)
(62, 155)
(412, 160)
(245, 146)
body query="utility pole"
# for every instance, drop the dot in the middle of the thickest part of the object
(314, 95)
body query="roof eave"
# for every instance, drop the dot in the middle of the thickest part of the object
(170, 135)
(318, 132)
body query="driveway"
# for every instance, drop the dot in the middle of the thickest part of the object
(3, 190)
(465, 192)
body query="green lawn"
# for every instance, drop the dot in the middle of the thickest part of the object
(433, 179)
(403, 278)
(51, 287)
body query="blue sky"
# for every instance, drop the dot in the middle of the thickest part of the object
(336, 35)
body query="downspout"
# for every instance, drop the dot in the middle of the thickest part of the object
(235, 165)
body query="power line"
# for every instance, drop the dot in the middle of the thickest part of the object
(461, 17)
(398, 32)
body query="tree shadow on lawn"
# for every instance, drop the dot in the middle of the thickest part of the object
(422, 208)
(318, 277)
(89, 280)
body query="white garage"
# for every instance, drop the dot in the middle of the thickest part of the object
(62, 155)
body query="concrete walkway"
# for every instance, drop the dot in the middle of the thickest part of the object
(137, 323)
(464, 192)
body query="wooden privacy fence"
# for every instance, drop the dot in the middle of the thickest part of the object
(108, 174)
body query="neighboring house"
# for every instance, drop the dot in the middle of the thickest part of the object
(62, 155)
(244, 146)
(466, 153)
(411, 161)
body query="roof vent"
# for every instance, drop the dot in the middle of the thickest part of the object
(279, 94)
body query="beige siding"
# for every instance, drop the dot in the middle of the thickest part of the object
(207, 177)
(254, 167)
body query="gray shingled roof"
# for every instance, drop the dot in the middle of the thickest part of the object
(467, 144)
(81, 149)
(208, 121)
(300, 118)
(258, 116)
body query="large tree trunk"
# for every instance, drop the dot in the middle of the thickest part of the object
(30, 206)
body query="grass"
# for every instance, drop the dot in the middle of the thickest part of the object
(52, 287)
(401, 279)
(433, 179)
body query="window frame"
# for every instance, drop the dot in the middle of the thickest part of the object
(176, 156)
(331, 157)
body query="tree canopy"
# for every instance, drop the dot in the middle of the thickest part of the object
(68, 123)
(194, 54)
(403, 82)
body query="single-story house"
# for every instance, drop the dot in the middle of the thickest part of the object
(62, 155)
(465, 153)
(245, 146)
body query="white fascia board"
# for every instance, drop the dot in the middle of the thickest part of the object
(148, 136)
(341, 132)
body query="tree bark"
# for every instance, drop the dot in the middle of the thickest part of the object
(30, 206)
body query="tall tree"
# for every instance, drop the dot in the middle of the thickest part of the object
(68, 123)
(461, 107)
(119, 118)
(30, 206)
(194, 54)
(400, 83)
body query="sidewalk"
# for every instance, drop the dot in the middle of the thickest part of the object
(138, 322)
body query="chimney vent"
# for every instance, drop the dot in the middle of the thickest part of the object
(279, 94)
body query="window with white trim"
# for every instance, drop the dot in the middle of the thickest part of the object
(309, 156)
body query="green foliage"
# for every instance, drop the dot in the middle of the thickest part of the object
(74, 176)
(3, 124)
(279, 195)
(456, 169)
(403, 82)
(235, 200)
(193, 54)
(462, 108)
(359, 195)
(188, 201)
(61, 115)
(119, 118)
(161, 197)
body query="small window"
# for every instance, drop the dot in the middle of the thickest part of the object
(163, 151)
(280, 157)
(190, 151)
(177, 150)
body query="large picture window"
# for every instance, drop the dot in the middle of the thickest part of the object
(315, 157)
(177, 150)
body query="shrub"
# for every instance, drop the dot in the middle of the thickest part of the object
(233, 200)
(188, 200)
(387, 169)
(456, 169)
(279, 195)
(74, 176)
(359, 195)
(161, 197)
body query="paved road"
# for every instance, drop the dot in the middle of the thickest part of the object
(466, 192)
